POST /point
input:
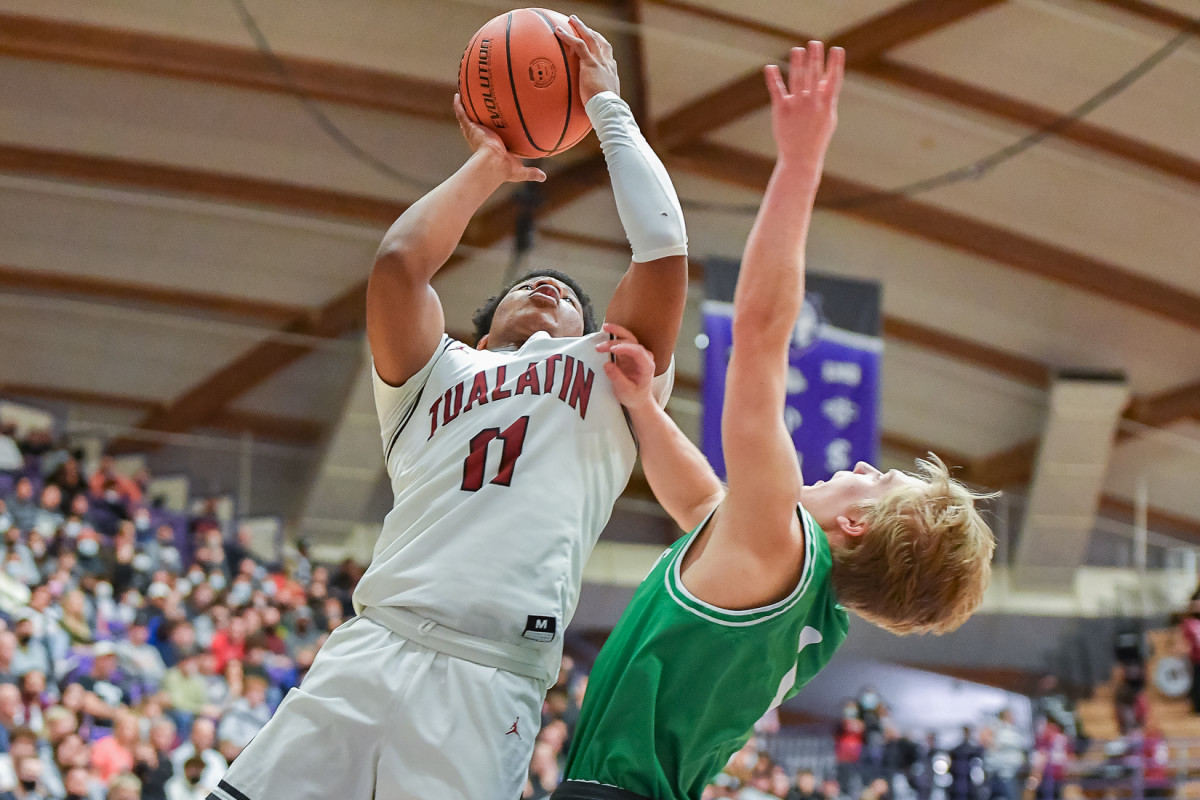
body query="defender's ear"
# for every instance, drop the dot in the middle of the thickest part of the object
(851, 527)
(482, 344)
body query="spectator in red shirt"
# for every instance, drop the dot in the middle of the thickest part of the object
(1052, 753)
(113, 754)
(229, 643)
(848, 746)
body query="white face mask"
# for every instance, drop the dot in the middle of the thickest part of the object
(216, 581)
(73, 528)
(89, 547)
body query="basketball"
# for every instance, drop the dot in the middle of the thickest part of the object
(518, 79)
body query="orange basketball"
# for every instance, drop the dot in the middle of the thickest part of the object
(518, 79)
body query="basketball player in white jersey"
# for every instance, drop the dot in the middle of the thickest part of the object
(505, 455)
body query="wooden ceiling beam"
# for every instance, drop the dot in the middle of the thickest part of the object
(1086, 134)
(237, 189)
(57, 283)
(863, 42)
(1018, 368)
(80, 397)
(934, 223)
(263, 426)
(292, 430)
(189, 59)
(1150, 11)
(209, 398)
(1166, 407)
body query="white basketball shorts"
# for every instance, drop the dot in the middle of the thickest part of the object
(381, 717)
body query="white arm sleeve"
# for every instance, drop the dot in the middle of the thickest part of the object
(646, 199)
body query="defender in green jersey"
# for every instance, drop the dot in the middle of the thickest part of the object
(742, 612)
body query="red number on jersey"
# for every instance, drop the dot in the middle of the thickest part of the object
(473, 466)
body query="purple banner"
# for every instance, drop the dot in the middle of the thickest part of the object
(832, 404)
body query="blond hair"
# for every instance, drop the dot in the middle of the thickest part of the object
(925, 559)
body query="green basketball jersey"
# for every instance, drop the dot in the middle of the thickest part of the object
(679, 684)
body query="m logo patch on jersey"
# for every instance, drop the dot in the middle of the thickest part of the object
(540, 629)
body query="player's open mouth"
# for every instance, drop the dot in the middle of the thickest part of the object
(548, 291)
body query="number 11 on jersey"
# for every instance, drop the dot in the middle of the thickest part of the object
(475, 464)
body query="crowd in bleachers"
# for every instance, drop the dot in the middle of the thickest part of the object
(140, 649)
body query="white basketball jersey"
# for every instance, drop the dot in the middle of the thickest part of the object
(505, 468)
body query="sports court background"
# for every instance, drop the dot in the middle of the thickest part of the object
(191, 194)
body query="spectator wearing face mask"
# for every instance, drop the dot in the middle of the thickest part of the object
(246, 716)
(74, 619)
(188, 784)
(116, 490)
(848, 747)
(18, 561)
(163, 552)
(200, 743)
(22, 506)
(49, 514)
(140, 659)
(31, 652)
(78, 783)
(871, 712)
(29, 785)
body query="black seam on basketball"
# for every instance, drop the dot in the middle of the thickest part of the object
(231, 791)
(567, 69)
(470, 61)
(513, 82)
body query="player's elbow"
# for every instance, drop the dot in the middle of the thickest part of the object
(761, 328)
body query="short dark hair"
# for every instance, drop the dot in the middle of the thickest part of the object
(483, 317)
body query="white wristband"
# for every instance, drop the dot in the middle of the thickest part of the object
(646, 199)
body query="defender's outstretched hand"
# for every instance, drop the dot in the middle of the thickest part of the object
(631, 369)
(597, 67)
(804, 110)
(484, 140)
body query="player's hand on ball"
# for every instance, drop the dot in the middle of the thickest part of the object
(632, 367)
(597, 67)
(485, 142)
(804, 110)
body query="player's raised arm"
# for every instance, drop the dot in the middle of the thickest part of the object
(404, 315)
(650, 298)
(762, 471)
(679, 474)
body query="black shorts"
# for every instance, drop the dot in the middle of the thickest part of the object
(586, 790)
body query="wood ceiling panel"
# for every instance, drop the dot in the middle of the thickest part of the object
(312, 388)
(187, 245)
(218, 128)
(953, 405)
(1168, 462)
(817, 17)
(714, 54)
(1054, 193)
(1012, 48)
(112, 350)
(411, 36)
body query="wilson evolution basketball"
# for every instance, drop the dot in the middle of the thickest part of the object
(518, 79)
